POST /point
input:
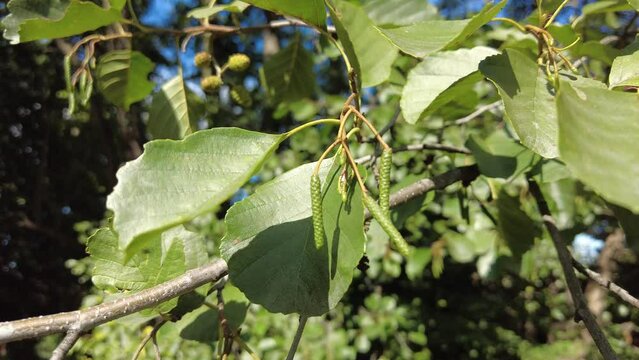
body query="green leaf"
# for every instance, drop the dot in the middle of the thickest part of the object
(424, 38)
(596, 50)
(288, 75)
(399, 12)
(50, 19)
(499, 156)
(311, 11)
(208, 11)
(599, 141)
(515, 226)
(529, 98)
(436, 81)
(604, 6)
(123, 77)
(561, 200)
(460, 248)
(169, 113)
(270, 249)
(625, 71)
(370, 54)
(113, 271)
(634, 3)
(173, 182)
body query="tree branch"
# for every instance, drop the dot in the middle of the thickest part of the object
(600, 280)
(465, 174)
(85, 319)
(416, 147)
(574, 287)
(66, 344)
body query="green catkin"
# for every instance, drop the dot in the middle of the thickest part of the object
(67, 79)
(378, 214)
(86, 87)
(316, 206)
(384, 181)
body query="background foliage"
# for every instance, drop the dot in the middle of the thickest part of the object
(483, 281)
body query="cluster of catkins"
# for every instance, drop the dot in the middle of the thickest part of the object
(236, 63)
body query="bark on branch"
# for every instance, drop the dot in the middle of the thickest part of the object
(602, 281)
(85, 319)
(574, 287)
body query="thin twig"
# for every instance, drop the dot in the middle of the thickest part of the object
(599, 279)
(145, 340)
(156, 346)
(416, 147)
(574, 287)
(475, 114)
(392, 122)
(66, 344)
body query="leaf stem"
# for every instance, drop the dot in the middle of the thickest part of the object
(371, 127)
(324, 155)
(554, 15)
(312, 123)
(512, 22)
(298, 336)
(351, 160)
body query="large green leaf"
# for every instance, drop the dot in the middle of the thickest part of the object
(370, 54)
(169, 114)
(175, 251)
(499, 156)
(270, 249)
(529, 98)
(311, 11)
(208, 11)
(634, 3)
(123, 77)
(625, 71)
(599, 141)
(50, 19)
(288, 75)
(424, 38)
(436, 81)
(175, 181)
(605, 6)
(399, 12)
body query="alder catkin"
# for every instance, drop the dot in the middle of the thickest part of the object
(378, 214)
(316, 206)
(384, 180)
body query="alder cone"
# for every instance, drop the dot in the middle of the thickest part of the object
(202, 59)
(211, 83)
(238, 62)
